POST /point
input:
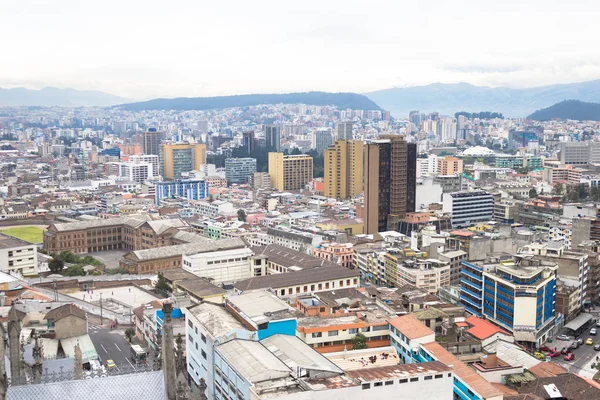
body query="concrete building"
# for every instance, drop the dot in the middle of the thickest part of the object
(66, 322)
(554, 172)
(261, 181)
(449, 166)
(152, 159)
(214, 209)
(344, 169)
(290, 172)
(579, 153)
(344, 130)
(191, 189)
(152, 140)
(138, 172)
(17, 256)
(273, 137)
(389, 182)
(179, 158)
(239, 170)
(518, 297)
(220, 266)
(322, 139)
(468, 208)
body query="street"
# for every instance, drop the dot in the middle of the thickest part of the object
(585, 355)
(111, 344)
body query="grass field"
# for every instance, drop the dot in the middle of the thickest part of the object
(30, 234)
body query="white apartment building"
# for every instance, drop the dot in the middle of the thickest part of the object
(213, 209)
(430, 275)
(139, 173)
(18, 256)
(220, 266)
(468, 208)
(427, 166)
(151, 159)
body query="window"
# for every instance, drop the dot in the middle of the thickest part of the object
(377, 384)
(353, 330)
(332, 333)
(366, 386)
(414, 379)
(438, 376)
(402, 380)
(190, 338)
(196, 329)
(428, 378)
(317, 334)
(196, 345)
(388, 383)
(203, 354)
(203, 337)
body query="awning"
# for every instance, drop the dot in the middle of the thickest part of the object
(579, 321)
(50, 348)
(88, 351)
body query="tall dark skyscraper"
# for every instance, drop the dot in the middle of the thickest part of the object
(152, 140)
(249, 142)
(389, 182)
(344, 130)
(273, 137)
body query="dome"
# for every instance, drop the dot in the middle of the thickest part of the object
(478, 151)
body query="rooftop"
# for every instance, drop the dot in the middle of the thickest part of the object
(253, 361)
(200, 287)
(482, 329)
(215, 318)
(410, 326)
(7, 242)
(398, 371)
(201, 246)
(260, 306)
(65, 311)
(351, 360)
(290, 258)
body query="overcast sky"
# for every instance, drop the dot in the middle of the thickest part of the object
(150, 48)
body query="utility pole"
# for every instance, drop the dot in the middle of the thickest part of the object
(101, 309)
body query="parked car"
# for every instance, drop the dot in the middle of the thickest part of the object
(562, 337)
(569, 357)
(554, 354)
(574, 345)
(539, 356)
(593, 331)
(598, 324)
(597, 347)
(565, 350)
(545, 349)
(580, 341)
(589, 341)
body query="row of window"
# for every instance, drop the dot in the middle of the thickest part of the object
(366, 386)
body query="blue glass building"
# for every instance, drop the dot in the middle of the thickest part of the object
(191, 189)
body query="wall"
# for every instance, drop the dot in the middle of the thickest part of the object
(70, 326)
(284, 327)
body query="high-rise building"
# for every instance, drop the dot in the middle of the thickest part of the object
(344, 169)
(147, 158)
(248, 141)
(261, 181)
(344, 131)
(152, 139)
(177, 158)
(239, 170)
(191, 189)
(290, 172)
(468, 208)
(449, 166)
(389, 182)
(321, 139)
(273, 137)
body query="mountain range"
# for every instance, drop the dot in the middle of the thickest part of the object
(51, 96)
(448, 98)
(569, 109)
(342, 100)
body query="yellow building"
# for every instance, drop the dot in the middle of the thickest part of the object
(344, 169)
(449, 166)
(177, 158)
(290, 172)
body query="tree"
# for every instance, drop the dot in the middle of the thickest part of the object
(129, 334)
(359, 341)
(55, 265)
(241, 215)
(558, 189)
(75, 270)
(532, 193)
(162, 284)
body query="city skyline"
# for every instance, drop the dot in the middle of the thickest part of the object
(148, 50)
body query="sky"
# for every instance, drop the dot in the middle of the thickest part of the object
(141, 49)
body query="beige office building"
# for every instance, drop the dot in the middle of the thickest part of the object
(290, 172)
(344, 169)
(449, 166)
(177, 158)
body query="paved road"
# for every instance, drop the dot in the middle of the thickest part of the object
(585, 355)
(111, 345)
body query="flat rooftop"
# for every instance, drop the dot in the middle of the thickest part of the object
(215, 318)
(368, 358)
(7, 242)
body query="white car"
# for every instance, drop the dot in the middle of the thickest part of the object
(563, 337)
(593, 331)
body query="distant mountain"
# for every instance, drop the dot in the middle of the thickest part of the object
(450, 98)
(51, 96)
(569, 109)
(342, 100)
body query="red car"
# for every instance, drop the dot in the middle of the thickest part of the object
(554, 354)
(569, 357)
(546, 349)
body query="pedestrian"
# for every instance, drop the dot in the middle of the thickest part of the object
(112, 293)
(129, 290)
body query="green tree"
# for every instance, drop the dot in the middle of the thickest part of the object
(359, 341)
(241, 215)
(129, 334)
(56, 266)
(75, 270)
(162, 284)
(532, 193)
(558, 189)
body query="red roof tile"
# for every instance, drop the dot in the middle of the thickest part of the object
(483, 329)
(410, 326)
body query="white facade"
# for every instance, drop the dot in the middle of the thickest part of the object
(139, 172)
(425, 276)
(220, 266)
(213, 209)
(468, 208)
(17, 256)
(146, 158)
